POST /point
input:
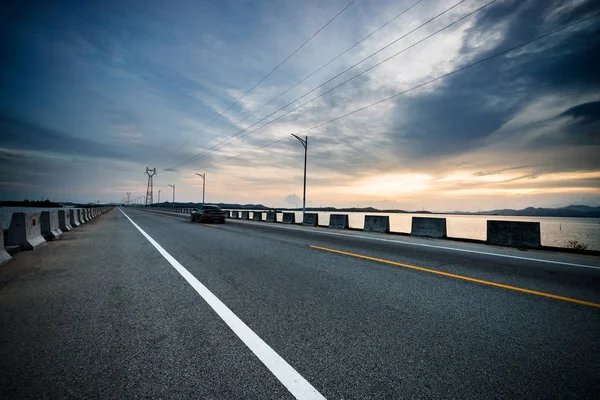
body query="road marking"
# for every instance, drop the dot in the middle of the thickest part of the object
(465, 278)
(299, 387)
(425, 245)
(212, 226)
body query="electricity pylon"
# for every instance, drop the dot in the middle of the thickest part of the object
(149, 197)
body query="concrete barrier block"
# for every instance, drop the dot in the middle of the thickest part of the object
(82, 218)
(4, 256)
(257, 216)
(49, 225)
(245, 215)
(25, 231)
(338, 221)
(310, 219)
(514, 233)
(289, 218)
(64, 220)
(235, 215)
(271, 216)
(377, 223)
(429, 227)
(73, 216)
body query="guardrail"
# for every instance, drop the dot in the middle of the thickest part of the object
(518, 234)
(28, 230)
(504, 233)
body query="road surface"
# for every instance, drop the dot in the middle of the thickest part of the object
(137, 304)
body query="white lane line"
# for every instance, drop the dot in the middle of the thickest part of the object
(299, 387)
(424, 245)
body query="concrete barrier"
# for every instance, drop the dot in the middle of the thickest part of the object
(289, 218)
(245, 215)
(429, 227)
(49, 222)
(377, 223)
(310, 219)
(82, 218)
(235, 215)
(4, 256)
(73, 216)
(257, 216)
(514, 233)
(271, 216)
(338, 221)
(64, 220)
(25, 231)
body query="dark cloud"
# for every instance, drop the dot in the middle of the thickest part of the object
(473, 104)
(20, 134)
(587, 113)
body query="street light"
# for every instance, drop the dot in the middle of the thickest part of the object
(159, 198)
(305, 144)
(173, 186)
(203, 176)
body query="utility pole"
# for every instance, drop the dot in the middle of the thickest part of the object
(305, 144)
(173, 186)
(149, 195)
(159, 196)
(203, 176)
(128, 194)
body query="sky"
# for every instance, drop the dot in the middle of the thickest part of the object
(93, 93)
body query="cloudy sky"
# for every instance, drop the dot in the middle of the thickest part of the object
(95, 92)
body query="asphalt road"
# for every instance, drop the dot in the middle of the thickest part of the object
(176, 309)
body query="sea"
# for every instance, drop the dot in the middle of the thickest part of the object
(555, 231)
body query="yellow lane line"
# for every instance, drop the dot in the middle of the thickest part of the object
(466, 278)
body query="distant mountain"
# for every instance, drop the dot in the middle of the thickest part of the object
(568, 211)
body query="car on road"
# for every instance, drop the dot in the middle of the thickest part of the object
(208, 213)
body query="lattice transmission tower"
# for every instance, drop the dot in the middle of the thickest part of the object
(149, 196)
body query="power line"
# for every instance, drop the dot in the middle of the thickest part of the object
(263, 78)
(324, 83)
(317, 70)
(495, 55)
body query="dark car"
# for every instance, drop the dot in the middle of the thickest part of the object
(208, 213)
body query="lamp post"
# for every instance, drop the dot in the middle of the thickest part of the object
(159, 198)
(203, 176)
(173, 186)
(305, 144)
